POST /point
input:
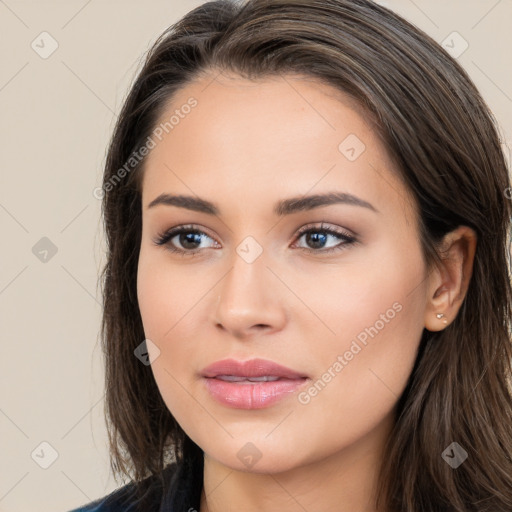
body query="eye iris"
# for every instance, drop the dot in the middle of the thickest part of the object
(315, 237)
(189, 238)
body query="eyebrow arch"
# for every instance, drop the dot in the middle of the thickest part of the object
(283, 207)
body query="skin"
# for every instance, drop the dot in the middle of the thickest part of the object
(246, 145)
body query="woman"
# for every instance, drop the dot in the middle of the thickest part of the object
(306, 298)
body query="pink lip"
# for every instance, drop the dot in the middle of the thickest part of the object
(251, 395)
(251, 368)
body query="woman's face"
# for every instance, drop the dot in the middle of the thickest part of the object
(334, 290)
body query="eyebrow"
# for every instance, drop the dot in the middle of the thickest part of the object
(281, 208)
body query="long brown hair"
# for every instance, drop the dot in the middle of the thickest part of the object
(446, 146)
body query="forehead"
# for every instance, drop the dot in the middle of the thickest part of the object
(271, 138)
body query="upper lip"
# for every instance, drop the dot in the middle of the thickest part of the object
(250, 368)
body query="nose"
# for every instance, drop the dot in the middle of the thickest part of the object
(249, 300)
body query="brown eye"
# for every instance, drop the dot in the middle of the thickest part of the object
(183, 239)
(317, 238)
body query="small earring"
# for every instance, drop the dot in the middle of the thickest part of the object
(440, 315)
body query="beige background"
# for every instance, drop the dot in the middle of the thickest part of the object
(56, 116)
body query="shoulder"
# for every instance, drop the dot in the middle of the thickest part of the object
(126, 499)
(122, 499)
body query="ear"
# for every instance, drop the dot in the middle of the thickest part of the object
(449, 282)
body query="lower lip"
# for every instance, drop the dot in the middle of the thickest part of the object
(254, 395)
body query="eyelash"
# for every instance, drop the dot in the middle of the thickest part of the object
(165, 237)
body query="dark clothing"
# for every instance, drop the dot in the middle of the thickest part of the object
(171, 493)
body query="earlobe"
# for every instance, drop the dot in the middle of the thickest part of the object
(449, 282)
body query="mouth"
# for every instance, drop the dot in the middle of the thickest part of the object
(253, 370)
(248, 380)
(253, 384)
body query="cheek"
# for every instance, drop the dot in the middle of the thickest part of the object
(172, 315)
(365, 367)
(152, 299)
(376, 293)
(168, 295)
(376, 311)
